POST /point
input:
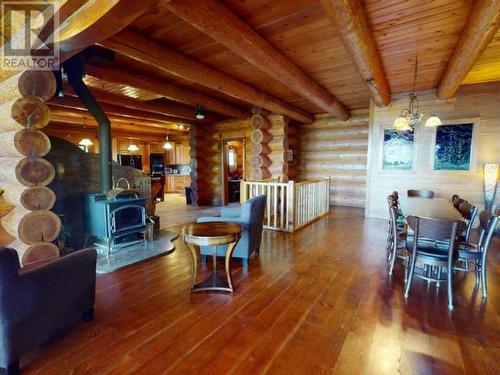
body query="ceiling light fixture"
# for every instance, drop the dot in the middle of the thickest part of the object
(167, 145)
(412, 115)
(132, 148)
(199, 112)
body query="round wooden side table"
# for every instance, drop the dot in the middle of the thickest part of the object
(212, 234)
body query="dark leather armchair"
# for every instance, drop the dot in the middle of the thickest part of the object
(37, 303)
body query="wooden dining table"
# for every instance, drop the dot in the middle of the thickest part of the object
(434, 208)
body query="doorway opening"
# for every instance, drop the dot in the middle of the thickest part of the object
(233, 168)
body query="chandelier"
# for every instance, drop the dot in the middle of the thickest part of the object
(412, 115)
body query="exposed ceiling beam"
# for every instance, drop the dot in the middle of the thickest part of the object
(86, 23)
(97, 20)
(167, 90)
(69, 130)
(220, 23)
(482, 24)
(349, 20)
(149, 52)
(77, 124)
(111, 109)
(56, 113)
(164, 107)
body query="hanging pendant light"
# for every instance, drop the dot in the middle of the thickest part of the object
(412, 115)
(132, 148)
(167, 145)
(199, 112)
(85, 142)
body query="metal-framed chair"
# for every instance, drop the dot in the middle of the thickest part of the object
(433, 244)
(477, 253)
(420, 193)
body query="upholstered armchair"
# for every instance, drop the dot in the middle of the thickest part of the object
(37, 303)
(251, 217)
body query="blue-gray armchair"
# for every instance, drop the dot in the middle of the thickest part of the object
(39, 302)
(251, 217)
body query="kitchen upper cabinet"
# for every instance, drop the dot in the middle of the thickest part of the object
(170, 156)
(179, 154)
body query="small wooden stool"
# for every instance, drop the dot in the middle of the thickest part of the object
(212, 234)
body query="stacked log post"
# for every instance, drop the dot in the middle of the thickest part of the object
(279, 147)
(260, 137)
(293, 146)
(24, 174)
(202, 154)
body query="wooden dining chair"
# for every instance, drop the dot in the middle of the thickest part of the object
(433, 244)
(421, 193)
(457, 201)
(469, 213)
(393, 201)
(476, 253)
(398, 237)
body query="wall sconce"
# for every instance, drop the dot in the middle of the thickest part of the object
(132, 148)
(86, 143)
(490, 184)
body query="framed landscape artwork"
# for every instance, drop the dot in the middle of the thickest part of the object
(398, 150)
(453, 147)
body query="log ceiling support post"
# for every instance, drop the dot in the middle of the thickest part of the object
(214, 19)
(349, 20)
(482, 24)
(149, 52)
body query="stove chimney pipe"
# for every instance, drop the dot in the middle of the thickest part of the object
(75, 70)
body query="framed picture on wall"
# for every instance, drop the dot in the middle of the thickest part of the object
(453, 147)
(398, 149)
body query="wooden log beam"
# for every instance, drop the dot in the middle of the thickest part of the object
(164, 107)
(97, 20)
(72, 123)
(349, 20)
(90, 22)
(59, 113)
(214, 19)
(482, 24)
(167, 90)
(156, 55)
(111, 109)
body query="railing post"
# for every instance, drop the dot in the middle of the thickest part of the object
(290, 206)
(328, 181)
(243, 191)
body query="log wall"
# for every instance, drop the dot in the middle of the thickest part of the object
(478, 103)
(28, 224)
(337, 149)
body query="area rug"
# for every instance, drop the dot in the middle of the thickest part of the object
(139, 252)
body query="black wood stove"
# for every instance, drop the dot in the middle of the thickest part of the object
(115, 222)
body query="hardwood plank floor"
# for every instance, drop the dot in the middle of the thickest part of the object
(315, 302)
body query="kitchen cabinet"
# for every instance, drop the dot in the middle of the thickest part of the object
(182, 154)
(170, 156)
(175, 183)
(170, 183)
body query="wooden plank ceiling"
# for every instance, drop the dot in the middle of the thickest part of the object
(302, 31)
